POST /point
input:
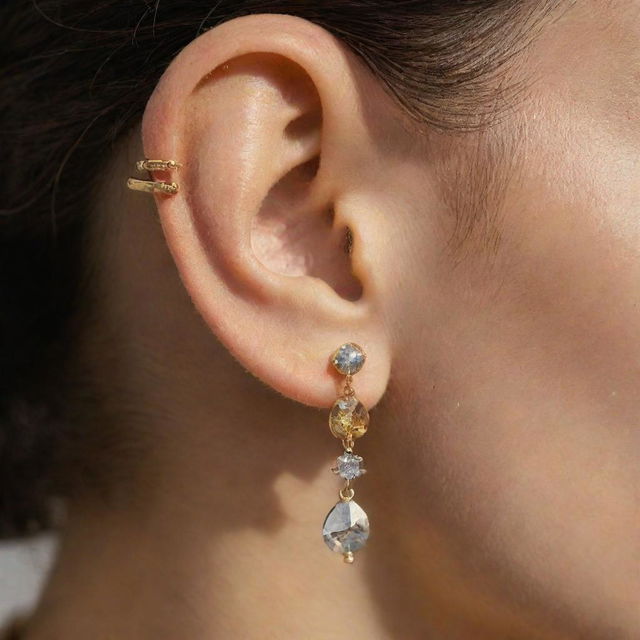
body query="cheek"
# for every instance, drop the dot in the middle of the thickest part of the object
(571, 257)
(525, 397)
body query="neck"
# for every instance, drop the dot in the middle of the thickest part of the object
(222, 536)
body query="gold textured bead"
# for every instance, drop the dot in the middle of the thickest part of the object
(348, 418)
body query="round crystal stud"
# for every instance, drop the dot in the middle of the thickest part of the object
(348, 466)
(348, 417)
(348, 358)
(346, 527)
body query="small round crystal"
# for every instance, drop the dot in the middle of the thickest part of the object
(348, 466)
(348, 358)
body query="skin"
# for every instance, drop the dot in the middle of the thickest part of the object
(502, 359)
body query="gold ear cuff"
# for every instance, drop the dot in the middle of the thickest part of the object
(151, 186)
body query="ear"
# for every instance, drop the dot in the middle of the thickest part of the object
(264, 112)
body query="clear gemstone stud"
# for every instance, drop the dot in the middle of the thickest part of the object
(348, 358)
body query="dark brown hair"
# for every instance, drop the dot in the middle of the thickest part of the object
(75, 76)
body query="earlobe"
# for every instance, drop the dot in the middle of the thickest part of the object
(257, 230)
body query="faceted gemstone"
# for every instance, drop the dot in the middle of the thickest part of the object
(348, 358)
(346, 527)
(349, 466)
(348, 417)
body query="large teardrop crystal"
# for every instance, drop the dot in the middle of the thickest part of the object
(348, 418)
(346, 527)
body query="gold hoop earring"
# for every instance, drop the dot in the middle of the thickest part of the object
(152, 186)
(346, 527)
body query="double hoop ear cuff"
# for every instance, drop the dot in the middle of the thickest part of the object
(151, 186)
(346, 527)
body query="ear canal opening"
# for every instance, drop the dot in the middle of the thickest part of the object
(307, 171)
(348, 241)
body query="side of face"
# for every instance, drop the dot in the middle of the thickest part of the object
(492, 282)
(520, 357)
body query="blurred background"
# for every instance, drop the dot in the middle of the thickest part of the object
(23, 568)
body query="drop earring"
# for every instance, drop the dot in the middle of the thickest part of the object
(346, 527)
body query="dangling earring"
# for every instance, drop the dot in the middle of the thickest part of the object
(346, 527)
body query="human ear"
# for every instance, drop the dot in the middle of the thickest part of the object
(265, 114)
